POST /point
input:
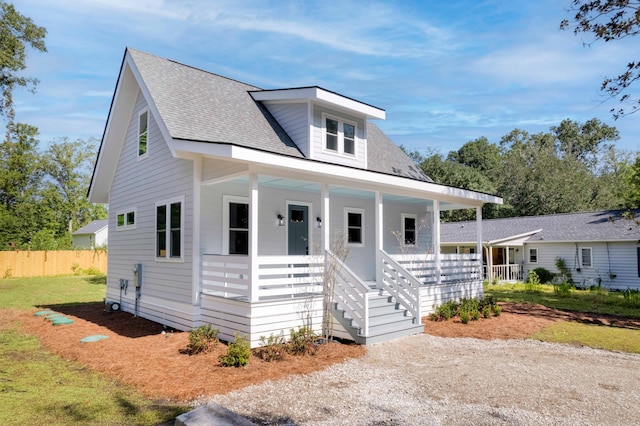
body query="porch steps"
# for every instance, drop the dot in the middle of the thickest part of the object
(387, 321)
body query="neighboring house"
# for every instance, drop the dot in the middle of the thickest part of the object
(90, 236)
(599, 248)
(231, 198)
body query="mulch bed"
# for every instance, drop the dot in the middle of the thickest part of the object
(140, 353)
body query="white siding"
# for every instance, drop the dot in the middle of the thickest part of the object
(435, 295)
(140, 185)
(393, 227)
(294, 119)
(608, 259)
(359, 160)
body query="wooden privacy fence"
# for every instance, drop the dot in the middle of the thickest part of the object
(46, 263)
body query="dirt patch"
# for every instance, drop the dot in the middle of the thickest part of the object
(141, 353)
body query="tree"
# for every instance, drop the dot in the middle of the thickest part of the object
(479, 154)
(16, 32)
(610, 20)
(585, 141)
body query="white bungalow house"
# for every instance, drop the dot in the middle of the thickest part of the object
(92, 235)
(599, 248)
(233, 196)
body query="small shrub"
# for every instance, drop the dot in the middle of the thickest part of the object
(533, 282)
(544, 275)
(8, 273)
(202, 340)
(76, 269)
(92, 271)
(562, 289)
(301, 342)
(272, 348)
(486, 311)
(469, 304)
(464, 317)
(238, 353)
(497, 310)
(475, 315)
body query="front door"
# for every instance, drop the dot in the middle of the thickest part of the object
(298, 230)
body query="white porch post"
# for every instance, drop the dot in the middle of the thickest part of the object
(436, 239)
(479, 247)
(379, 212)
(326, 228)
(253, 237)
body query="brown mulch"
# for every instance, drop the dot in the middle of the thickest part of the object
(140, 353)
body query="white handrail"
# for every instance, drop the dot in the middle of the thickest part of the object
(351, 294)
(401, 284)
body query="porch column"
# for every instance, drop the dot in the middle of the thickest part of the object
(324, 207)
(479, 246)
(253, 238)
(379, 212)
(436, 239)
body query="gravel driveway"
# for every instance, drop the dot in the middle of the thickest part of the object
(426, 380)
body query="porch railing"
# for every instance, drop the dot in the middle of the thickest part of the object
(278, 276)
(401, 284)
(511, 272)
(350, 293)
(453, 267)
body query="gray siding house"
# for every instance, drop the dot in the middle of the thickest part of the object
(600, 248)
(92, 235)
(225, 201)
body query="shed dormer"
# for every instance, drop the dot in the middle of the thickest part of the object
(326, 126)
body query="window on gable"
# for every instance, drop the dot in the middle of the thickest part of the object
(585, 257)
(409, 232)
(533, 255)
(169, 220)
(339, 136)
(143, 125)
(354, 223)
(126, 219)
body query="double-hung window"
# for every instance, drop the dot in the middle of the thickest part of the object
(409, 231)
(354, 226)
(143, 128)
(339, 136)
(236, 225)
(533, 255)
(169, 224)
(585, 257)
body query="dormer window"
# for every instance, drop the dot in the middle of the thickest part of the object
(143, 125)
(339, 136)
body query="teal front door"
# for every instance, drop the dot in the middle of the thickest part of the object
(298, 230)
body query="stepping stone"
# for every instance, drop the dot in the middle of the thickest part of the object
(94, 338)
(61, 320)
(42, 313)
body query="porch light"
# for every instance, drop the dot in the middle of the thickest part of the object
(318, 222)
(280, 220)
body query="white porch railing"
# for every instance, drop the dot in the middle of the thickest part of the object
(278, 276)
(350, 293)
(511, 272)
(401, 284)
(453, 267)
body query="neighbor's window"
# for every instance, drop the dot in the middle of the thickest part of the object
(143, 125)
(339, 136)
(126, 219)
(585, 256)
(409, 232)
(169, 220)
(533, 255)
(354, 221)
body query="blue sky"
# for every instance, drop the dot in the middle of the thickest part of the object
(446, 72)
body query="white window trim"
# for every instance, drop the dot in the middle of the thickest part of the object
(226, 200)
(340, 150)
(348, 210)
(590, 265)
(167, 203)
(529, 254)
(125, 212)
(415, 230)
(146, 154)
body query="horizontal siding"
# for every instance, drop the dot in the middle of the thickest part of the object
(140, 185)
(435, 295)
(359, 161)
(294, 119)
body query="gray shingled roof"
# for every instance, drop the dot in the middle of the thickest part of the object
(92, 227)
(605, 225)
(197, 105)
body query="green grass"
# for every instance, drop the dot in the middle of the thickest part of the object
(595, 301)
(595, 336)
(38, 387)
